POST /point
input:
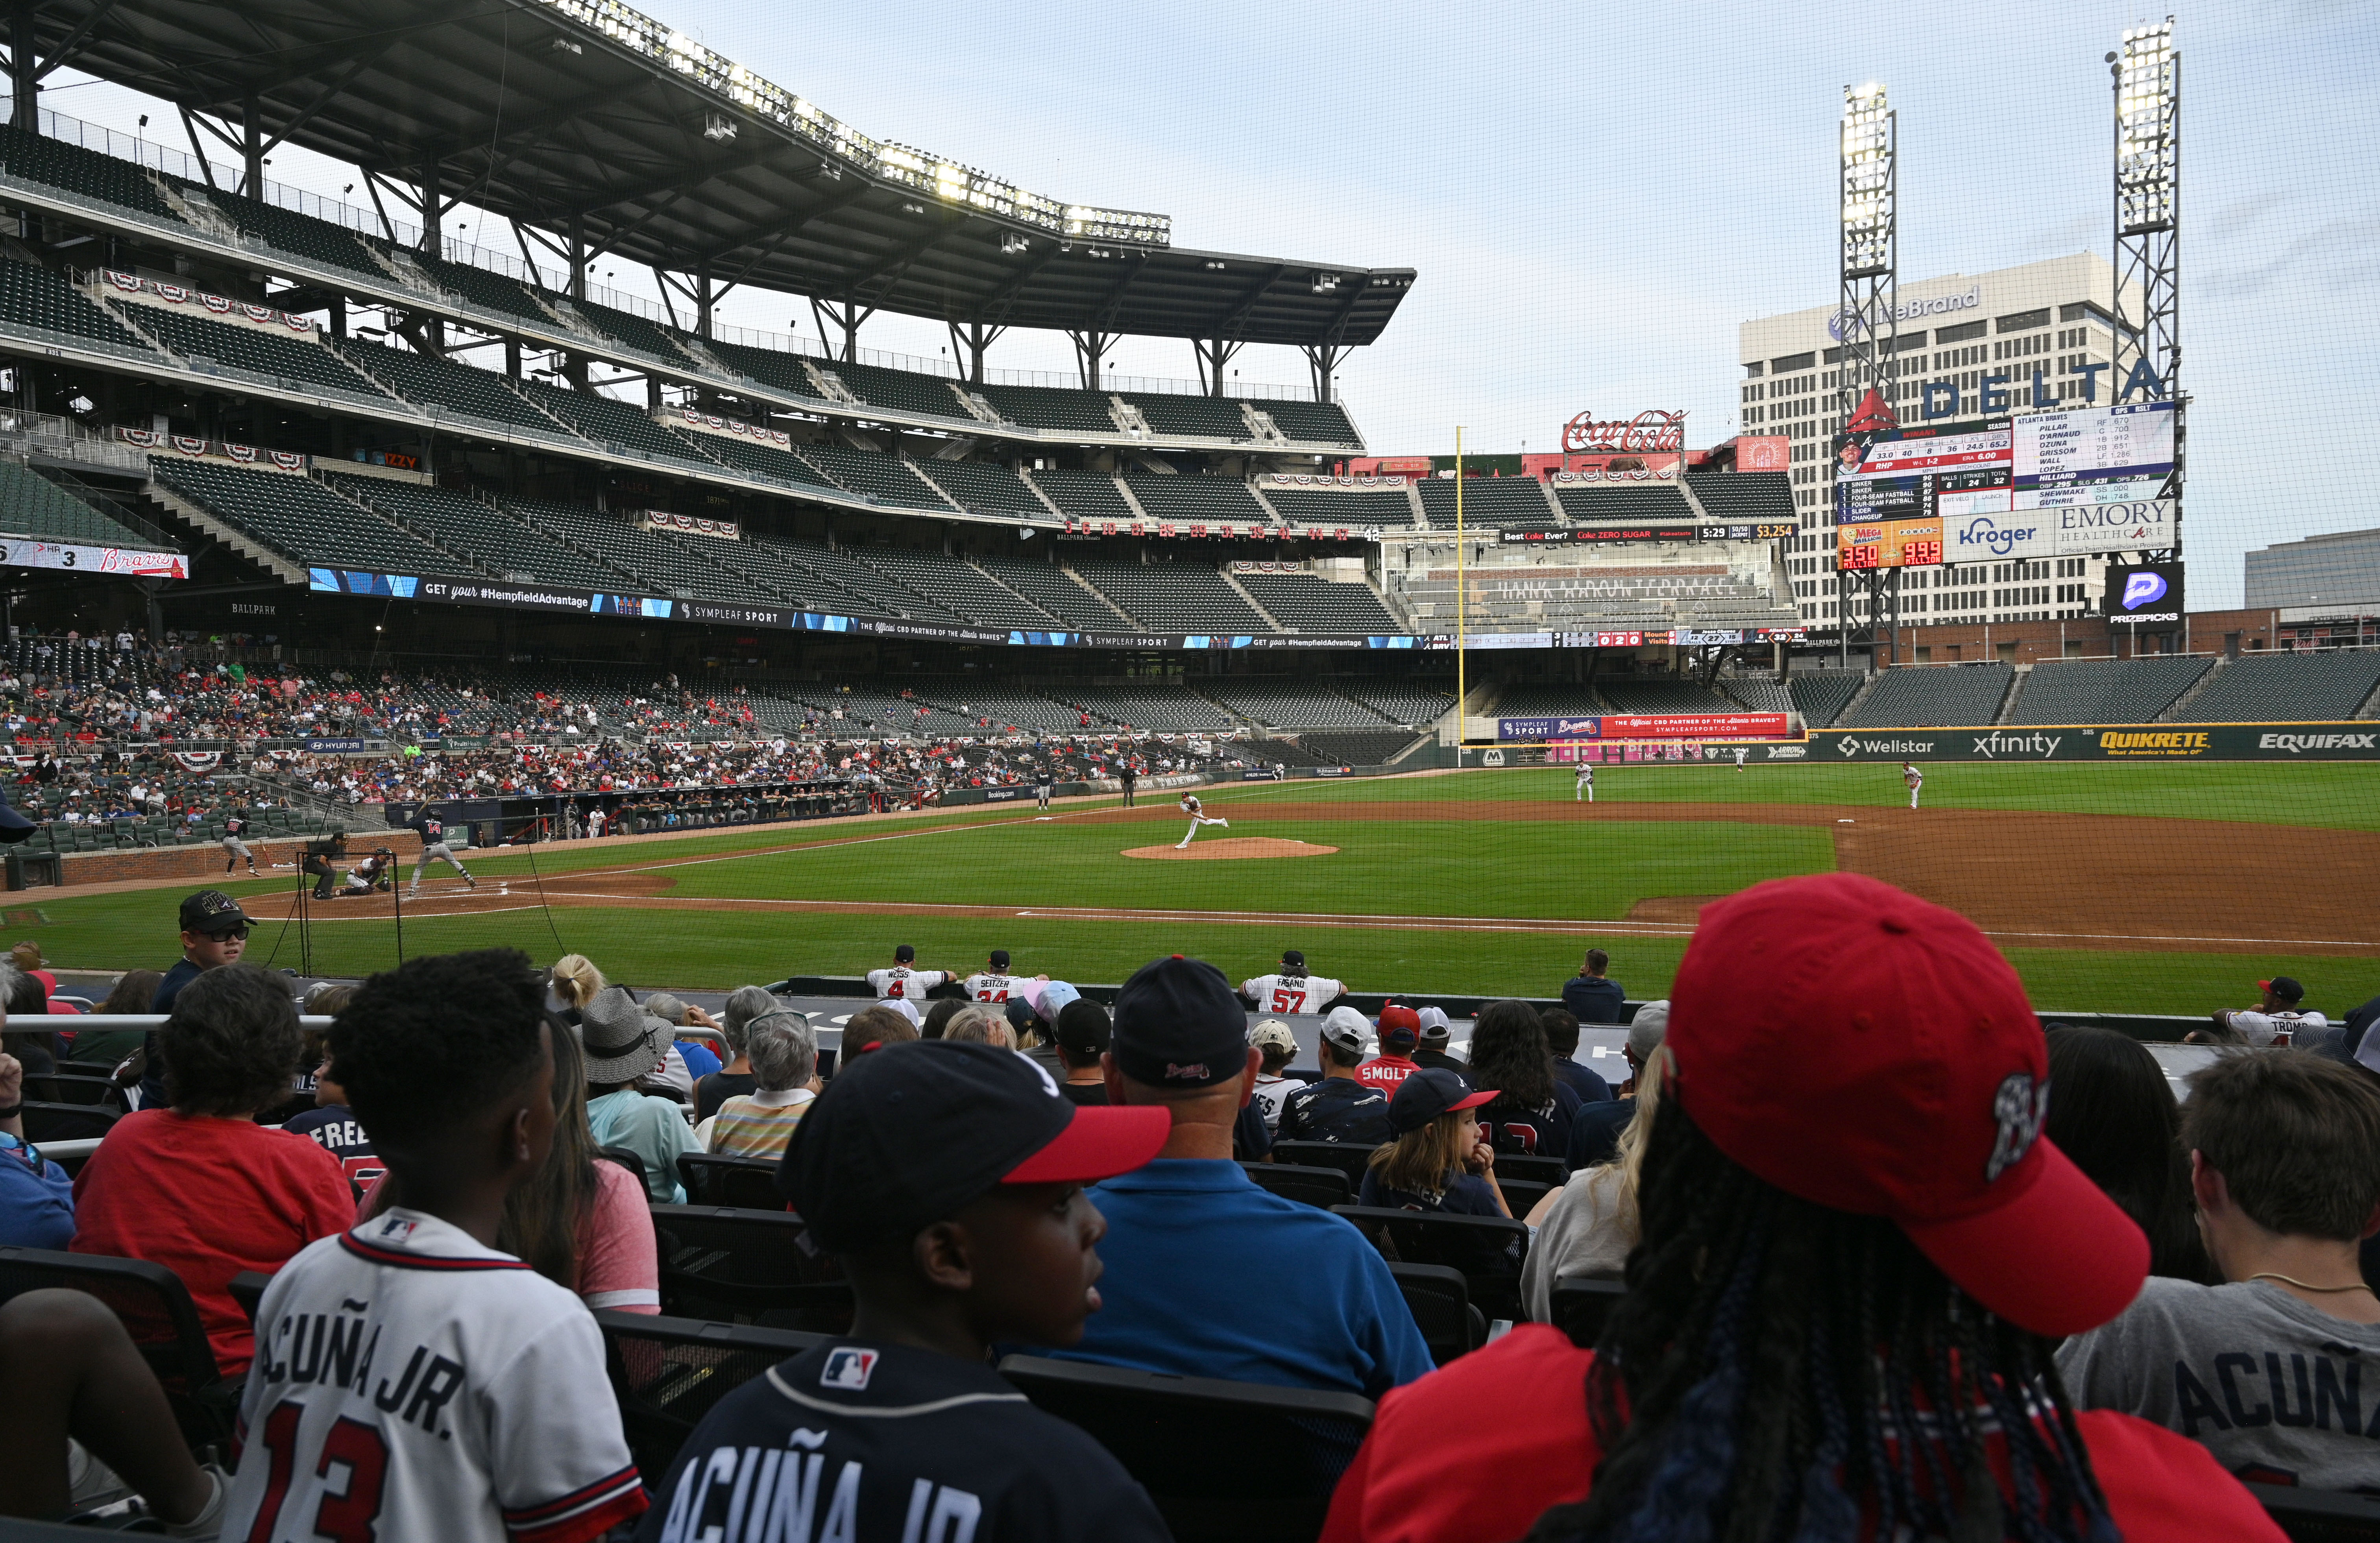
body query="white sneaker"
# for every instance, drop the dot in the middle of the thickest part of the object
(1224, 824)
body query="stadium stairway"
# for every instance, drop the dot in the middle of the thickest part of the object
(1242, 590)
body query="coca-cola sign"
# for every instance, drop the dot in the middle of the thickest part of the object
(1647, 431)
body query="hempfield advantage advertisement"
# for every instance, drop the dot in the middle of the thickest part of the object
(2352, 741)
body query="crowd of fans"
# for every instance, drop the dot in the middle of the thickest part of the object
(1878, 1282)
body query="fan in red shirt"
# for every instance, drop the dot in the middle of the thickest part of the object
(1400, 1037)
(1857, 1256)
(199, 1186)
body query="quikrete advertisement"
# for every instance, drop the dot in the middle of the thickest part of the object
(2352, 741)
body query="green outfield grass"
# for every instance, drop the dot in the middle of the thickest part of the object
(1443, 861)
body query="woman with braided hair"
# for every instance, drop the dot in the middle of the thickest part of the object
(1857, 1257)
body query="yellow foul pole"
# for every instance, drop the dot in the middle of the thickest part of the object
(1461, 612)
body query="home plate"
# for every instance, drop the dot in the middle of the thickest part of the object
(1230, 847)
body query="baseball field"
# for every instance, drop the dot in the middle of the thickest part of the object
(2113, 888)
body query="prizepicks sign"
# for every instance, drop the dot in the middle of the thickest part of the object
(2142, 594)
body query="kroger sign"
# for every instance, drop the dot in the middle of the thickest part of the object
(2141, 526)
(1845, 322)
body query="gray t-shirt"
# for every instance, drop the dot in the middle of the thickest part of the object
(2277, 1389)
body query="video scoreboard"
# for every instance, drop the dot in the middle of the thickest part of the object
(1893, 543)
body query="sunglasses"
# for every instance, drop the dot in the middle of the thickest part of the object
(230, 932)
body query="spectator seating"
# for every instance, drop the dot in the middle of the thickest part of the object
(1820, 696)
(318, 240)
(32, 296)
(1303, 603)
(1655, 697)
(654, 560)
(900, 390)
(1084, 495)
(886, 478)
(1757, 693)
(2320, 1516)
(1581, 1304)
(828, 578)
(1175, 416)
(1152, 708)
(483, 289)
(1003, 705)
(106, 178)
(301, 518)
(1225, 1462)
(635, 331)
(766, 460)
(736, 1266)
(1291, 705)
(2106, 690)
(984, 488)
(1187, 597)
(1312, 422)
(157, 1311)
(1440, 1300)
(2306, 686)
(1517, 502)
(954, 586)
(1403, 704)
(768, 366)
(30, 504)
(487, 535)
(1334, 747)
(1319, 1187)
(1537, 701)
(1051, 408)
(1933, 696)
(1745, 495)
(47, 1121)
(746, 1183)
(1051, 590)
(1610, 501)
(1360, 509)
(444, 386)
(620, 426)
(667, 1372)
(878, 705)
(291, 362)
(1487, 1250)
(1196, 499)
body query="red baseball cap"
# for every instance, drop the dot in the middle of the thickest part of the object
(1861, 1049)
(1399, 1025)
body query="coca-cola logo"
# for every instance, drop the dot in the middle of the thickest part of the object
(1649, 430)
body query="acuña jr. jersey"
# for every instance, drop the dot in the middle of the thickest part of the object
(1293, 993)
(900, 983)
(410, 1382)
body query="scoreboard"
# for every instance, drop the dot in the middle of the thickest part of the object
(1892, 543)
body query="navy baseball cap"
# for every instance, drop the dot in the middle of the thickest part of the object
(1000, 958)
(905, 1136)
(1428, 1093)
(1178, 1023)
(903, 954)
(14, 827)
(212, 911)
(2284, 988)
(1293, 956)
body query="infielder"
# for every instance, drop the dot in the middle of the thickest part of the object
(1291, 990)
(1042, 779)
(236, 850)
(1584, 786)
(1194, 809)
(901, 983)
(432, 831)
(1915, 778)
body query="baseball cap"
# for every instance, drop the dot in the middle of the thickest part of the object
(1178, 1023)
(1275, 1033)
(1647, 1028)
(1054, 996)
(904, 954)
(1000, 958)
(1428, 1093)
(1292, 958)
(904, 1136)
(1346, 1028)
(1400, 1027)
(1435, 1029)
(14, 826)
(1866, 1051)
(2284, 986)
(212, 911)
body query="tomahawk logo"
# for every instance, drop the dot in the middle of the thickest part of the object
(2020, 1108)
(2142, 588)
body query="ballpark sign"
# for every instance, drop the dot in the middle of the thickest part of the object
(2092, 742)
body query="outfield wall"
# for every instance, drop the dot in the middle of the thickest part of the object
(2167, 742)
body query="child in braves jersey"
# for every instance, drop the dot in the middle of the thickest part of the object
(411, 1381)
(947, 1178)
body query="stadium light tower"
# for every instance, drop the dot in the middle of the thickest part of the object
(1867, 320)
(2146, 74)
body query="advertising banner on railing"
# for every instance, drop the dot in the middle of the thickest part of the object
(1666, 726)
(95, 559)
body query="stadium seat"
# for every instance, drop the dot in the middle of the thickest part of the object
(2320, 1516)
(1324, 1188)
(1440, 1300)
(1547, 1171)
(1349, 509)
(35, 297)
(2308, 686)
(1820, 696)
(626, 1159)
(247, 1288)
(1582, 1304)
(750, 1184)
(1345, 1156)
(1084, 494)
(66, 1121)
(1522, 1194)
(90, 1087)
(156, 1310)
(1224, 1461)
(30, 504)
(1306, 604)
(1488, 1249)
(1312, 422)
(1924, 697)
(747, 1267)
(2106, 690)
(667, 1372)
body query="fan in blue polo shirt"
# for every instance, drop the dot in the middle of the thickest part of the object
(1192, 1241)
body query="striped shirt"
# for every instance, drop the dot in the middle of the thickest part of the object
(759, 1125)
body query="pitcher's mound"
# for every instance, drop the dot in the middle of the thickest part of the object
(1227, 848)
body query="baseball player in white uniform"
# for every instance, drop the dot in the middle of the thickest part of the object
(1915, 778)
(901, 983)
(992, 983)
(1582, 787)
(1291, 990)
(1196, 810)
(236, 850)
(1739, 753)
(432, 831)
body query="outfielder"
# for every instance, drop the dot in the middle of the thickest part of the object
(432, 831)
(1194, 809)
(236, 850)
(1584, 786)
(1915, 778)
(1739, 753)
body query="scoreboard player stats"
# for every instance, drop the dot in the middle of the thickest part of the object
(1892, 543)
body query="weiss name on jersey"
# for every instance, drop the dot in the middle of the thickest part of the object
(1292, 993)
(900, 983)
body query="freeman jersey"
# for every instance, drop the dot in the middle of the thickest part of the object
(869, 1443)
(900, 983)
(411, 1383)
(985, 986)
(1292, 993)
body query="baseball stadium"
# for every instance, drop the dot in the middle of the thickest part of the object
(453, 500)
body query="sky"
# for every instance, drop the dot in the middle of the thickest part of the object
(1594, 197)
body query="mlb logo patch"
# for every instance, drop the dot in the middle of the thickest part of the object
(395, 1229)
(848, 1368)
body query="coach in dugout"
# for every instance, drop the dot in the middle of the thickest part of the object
(1592, 996)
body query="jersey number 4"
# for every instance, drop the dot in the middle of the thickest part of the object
(1287, 999)
(348, 1516)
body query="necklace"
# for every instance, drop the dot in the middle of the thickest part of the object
(2287, 1280)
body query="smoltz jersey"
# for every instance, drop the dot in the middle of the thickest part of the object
(1292, 993)
(410, 1383)
(985, 985)
(862, 1443)
(900, 983)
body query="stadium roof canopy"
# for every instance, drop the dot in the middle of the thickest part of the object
(551, 111)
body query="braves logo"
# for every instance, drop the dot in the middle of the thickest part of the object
(1197, 1069)
(2021, 1108)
